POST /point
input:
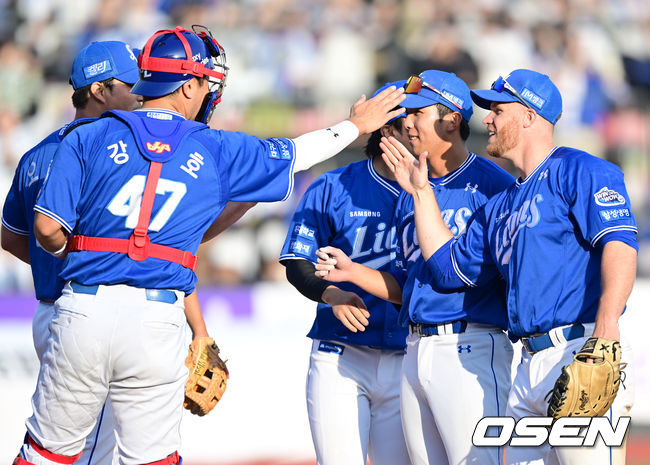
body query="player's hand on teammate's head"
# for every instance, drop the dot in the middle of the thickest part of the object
(333, 264)
(370, 115)
(411, 173)
(348, 308)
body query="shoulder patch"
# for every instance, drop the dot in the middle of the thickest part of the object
(608, 198)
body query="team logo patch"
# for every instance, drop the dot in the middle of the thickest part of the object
(97, 68)
(608, 197)
(304, 231)
(615, 214)
(330, 347)
(300, 247)
(158, 147)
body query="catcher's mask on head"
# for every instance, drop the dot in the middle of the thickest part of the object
(171, 57)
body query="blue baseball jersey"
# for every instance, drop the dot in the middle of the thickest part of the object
(542, 235)
(18, 210)
(459, 194)
(350, 208)
(98, 176)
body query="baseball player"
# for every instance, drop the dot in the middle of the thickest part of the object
(102, 76)
(567, 207)
(139, 190)
(358, 346)
(457, 364)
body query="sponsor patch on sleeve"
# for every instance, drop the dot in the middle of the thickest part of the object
(608, 198)
(614, 214)
(279, 149)
(300, 248)
(304, 231)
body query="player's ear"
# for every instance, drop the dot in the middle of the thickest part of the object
(386, 130)
(96, 91)
(452, 121)
(529, 118)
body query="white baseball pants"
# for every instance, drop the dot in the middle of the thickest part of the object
(353, 405)
(450, 382)
(99, 448)
(535, 378)
(114, 345)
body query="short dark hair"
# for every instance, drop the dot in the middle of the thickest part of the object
(81, 96)
(372, 146)
(464, 125)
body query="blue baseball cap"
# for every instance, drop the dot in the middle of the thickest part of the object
(103, 60)
(440, 87)
(530, 88)
(397, 85)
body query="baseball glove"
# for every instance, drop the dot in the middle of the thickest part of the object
(208, 376)
(588, 389)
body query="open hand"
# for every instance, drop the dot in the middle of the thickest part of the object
(370, 115)
(411, 173)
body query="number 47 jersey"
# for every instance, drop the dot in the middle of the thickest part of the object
(97, 179)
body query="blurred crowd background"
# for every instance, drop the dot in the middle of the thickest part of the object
(298, 65)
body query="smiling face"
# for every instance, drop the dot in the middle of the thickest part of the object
(504, 128)
(422, 126)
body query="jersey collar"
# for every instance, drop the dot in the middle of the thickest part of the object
(159, 113)
(447, 178)
(390, 186)
(521, 182)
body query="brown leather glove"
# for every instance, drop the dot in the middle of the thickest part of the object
(208, 376)
(588, 389)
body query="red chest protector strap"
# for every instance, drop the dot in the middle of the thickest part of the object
(138, 247)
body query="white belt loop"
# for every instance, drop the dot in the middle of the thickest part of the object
(557, 336)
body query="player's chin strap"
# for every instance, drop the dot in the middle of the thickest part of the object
(138, 246)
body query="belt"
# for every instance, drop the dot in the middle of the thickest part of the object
(156, 295)
(554, 338)
(424, 329)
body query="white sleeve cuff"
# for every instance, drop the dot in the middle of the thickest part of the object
(317, 146)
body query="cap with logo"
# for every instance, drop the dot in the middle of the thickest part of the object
(530, 88)
(444, 88)
(397, 85)
(103, 60)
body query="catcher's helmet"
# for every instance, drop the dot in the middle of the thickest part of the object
(172, 57)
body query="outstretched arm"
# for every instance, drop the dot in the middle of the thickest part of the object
(411, 173)
(334, 265)
(365, 117)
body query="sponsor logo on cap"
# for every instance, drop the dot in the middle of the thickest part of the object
(533, 98)
(97, 68)
(458, 101)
